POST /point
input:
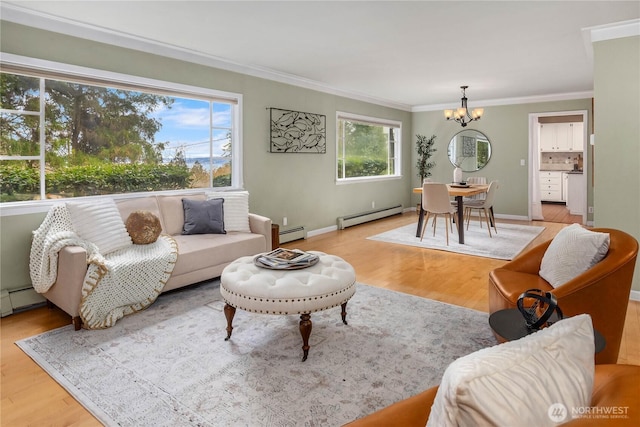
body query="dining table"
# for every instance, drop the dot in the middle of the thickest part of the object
(457, 191)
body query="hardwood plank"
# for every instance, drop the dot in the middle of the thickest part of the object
(555, 212)
(31, 397)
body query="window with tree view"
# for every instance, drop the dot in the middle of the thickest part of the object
(367, 147)
(65, 138)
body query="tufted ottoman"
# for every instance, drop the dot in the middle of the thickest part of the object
(327, 284)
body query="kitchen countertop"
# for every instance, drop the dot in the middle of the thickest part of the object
(561, 170)
(556, 167)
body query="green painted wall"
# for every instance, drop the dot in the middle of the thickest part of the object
(617, 136)
(508, 129)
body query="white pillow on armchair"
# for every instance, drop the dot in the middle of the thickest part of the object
(573, 251)
(534, 381)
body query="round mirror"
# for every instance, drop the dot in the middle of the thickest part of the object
(469, 150)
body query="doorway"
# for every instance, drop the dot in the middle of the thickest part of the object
(558, 166)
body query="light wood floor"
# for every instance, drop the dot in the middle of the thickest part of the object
(29, 397)
(552, 212)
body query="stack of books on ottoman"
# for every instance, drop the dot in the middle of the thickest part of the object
(286, 259)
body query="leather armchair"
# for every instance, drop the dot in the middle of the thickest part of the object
(602, 291)
(614, 386)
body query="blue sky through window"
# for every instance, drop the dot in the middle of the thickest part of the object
(186, 125)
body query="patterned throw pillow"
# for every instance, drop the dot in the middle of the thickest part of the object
(573, 251)
(236, 209)
(100, 223)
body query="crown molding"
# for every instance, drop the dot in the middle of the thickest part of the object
(617, 30)
(24, 16)
(508, 101)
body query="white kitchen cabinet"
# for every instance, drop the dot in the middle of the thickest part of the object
(565, 186)
(577, 137)
(561, 137)
(551, 186)
(547, 137)
(576, 193)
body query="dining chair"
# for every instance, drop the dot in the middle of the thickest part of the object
(476, 180)
(473, 180)
(435, 201)
(484, 207)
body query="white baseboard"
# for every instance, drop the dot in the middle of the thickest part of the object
(513, 217)
(322, 231)
(634, 296)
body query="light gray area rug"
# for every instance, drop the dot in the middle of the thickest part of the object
(170, 366)
(508, 242)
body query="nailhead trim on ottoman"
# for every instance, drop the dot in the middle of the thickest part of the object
(329, 283)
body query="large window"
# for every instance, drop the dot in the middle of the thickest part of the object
(368, 148)
(77, 134)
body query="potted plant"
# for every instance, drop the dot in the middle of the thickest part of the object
(425, 149)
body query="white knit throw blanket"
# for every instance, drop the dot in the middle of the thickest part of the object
(117, 284)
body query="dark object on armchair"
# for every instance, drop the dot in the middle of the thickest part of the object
(602, 291)
(613, 386)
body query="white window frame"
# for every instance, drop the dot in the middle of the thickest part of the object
(53, 70)
(397, 154)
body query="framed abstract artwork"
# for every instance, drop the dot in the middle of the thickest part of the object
(468, 146)
(297, 132)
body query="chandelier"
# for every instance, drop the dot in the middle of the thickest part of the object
(461, 115)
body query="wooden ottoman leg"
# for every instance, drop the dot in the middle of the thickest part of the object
(229, 312)
(305, 331)
(344, 313)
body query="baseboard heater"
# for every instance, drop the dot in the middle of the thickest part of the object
(359, 218)
(294, 233)
(19, 299)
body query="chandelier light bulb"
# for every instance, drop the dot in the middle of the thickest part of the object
(462, 115)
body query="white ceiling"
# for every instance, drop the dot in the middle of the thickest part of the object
(413, 54)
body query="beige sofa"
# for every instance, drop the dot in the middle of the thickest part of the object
(200, 256)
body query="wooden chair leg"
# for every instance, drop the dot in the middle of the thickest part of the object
(424, 225)
(486, 217)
